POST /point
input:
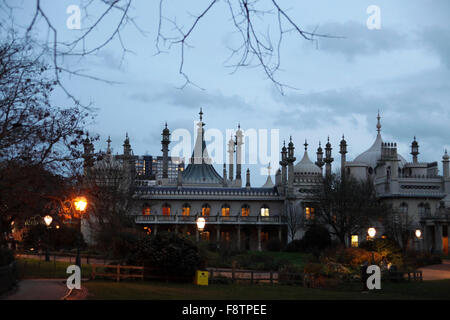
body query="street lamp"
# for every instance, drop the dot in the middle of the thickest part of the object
(80, 204)
(201, 223)
(48, 221)
(371, 231)
(418, 233)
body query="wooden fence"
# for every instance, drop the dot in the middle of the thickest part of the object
(252, 276)
(98, 270)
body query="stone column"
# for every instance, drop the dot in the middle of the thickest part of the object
(156, 229)
(259, 238)
(279, 233)
(197, 234)
(438, 237)
(218, 236)
(239, 237)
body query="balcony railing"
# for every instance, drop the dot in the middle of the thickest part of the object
(176, 219)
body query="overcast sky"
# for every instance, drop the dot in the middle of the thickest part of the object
(403, 70)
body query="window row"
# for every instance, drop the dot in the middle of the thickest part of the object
(206, 210)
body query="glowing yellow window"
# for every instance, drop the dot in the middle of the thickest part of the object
(264, 212)
(245, 211)
(205, 210)
(225, 211)
(309, 213)
(355, 241)
(185, 211)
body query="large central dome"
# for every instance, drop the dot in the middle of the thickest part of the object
(373, 154)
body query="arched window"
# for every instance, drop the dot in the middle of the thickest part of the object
(370, 170)
(403, 208)
(245, 210)
(146, 210)
(225, 210)
(166, 209)
(265, 211)
(206, 209)
(309, 213)
(186, 210)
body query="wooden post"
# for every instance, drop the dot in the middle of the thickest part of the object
(232, 274)
(271, 277)
(251, 277)
(118, 273)
(93, 272)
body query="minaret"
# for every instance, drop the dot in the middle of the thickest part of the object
(283, 164)
(126, 146)
(328, 159)
(108, 149)
(239, 143)
(87, 154)
(446, 165)
(319, 153)
(165, 150)
(180, 175)
(224, 175)
(247, 184)
(231, 145)
(343, 151)
(378, 122)
(414, 150)
(290, 159)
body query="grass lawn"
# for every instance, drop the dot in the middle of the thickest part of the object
(158, 290)
(35, 268)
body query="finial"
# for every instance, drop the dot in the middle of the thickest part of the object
(166, 124)
(284, 143)
(201, 114)
(378, 122)
(239, 125)
(328, 139)
(306, 145)
(268, 168)
(290, 138)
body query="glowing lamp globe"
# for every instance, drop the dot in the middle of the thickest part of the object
(371, 232)
(80, 204)
(201, 223)
(418, 233)
(48, 220)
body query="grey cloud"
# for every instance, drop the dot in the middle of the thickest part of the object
(193, 99)
(359, 40)
(438, 40)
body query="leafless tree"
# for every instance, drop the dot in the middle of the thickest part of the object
(262, 27)
(294, 219)
(348, 206)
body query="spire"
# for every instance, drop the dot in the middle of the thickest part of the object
(269, 167)
(306, 145)
(108, 148)
(378, 122)
(201, 114)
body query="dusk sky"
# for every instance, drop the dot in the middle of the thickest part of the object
(403, 70)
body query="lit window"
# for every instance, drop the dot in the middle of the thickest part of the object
(185, 211)
(206, 209)
(264, 211)
(225, 236)
(146, 210)
(166, 210)
(264, 236)
(355, 242)
(225, 210)
(245, 210)
(309, 213)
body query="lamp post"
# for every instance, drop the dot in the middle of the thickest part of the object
(371, 232)
(48, 221)
(201, 224)
(418, 234)
(80, 205)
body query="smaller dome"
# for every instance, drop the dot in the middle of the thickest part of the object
(306, 166)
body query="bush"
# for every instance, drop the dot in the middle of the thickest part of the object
(6, 256)
(422, 259)
(387, 248)
(316, 237)
(274, 245)
(170, 253)
(294, 246)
